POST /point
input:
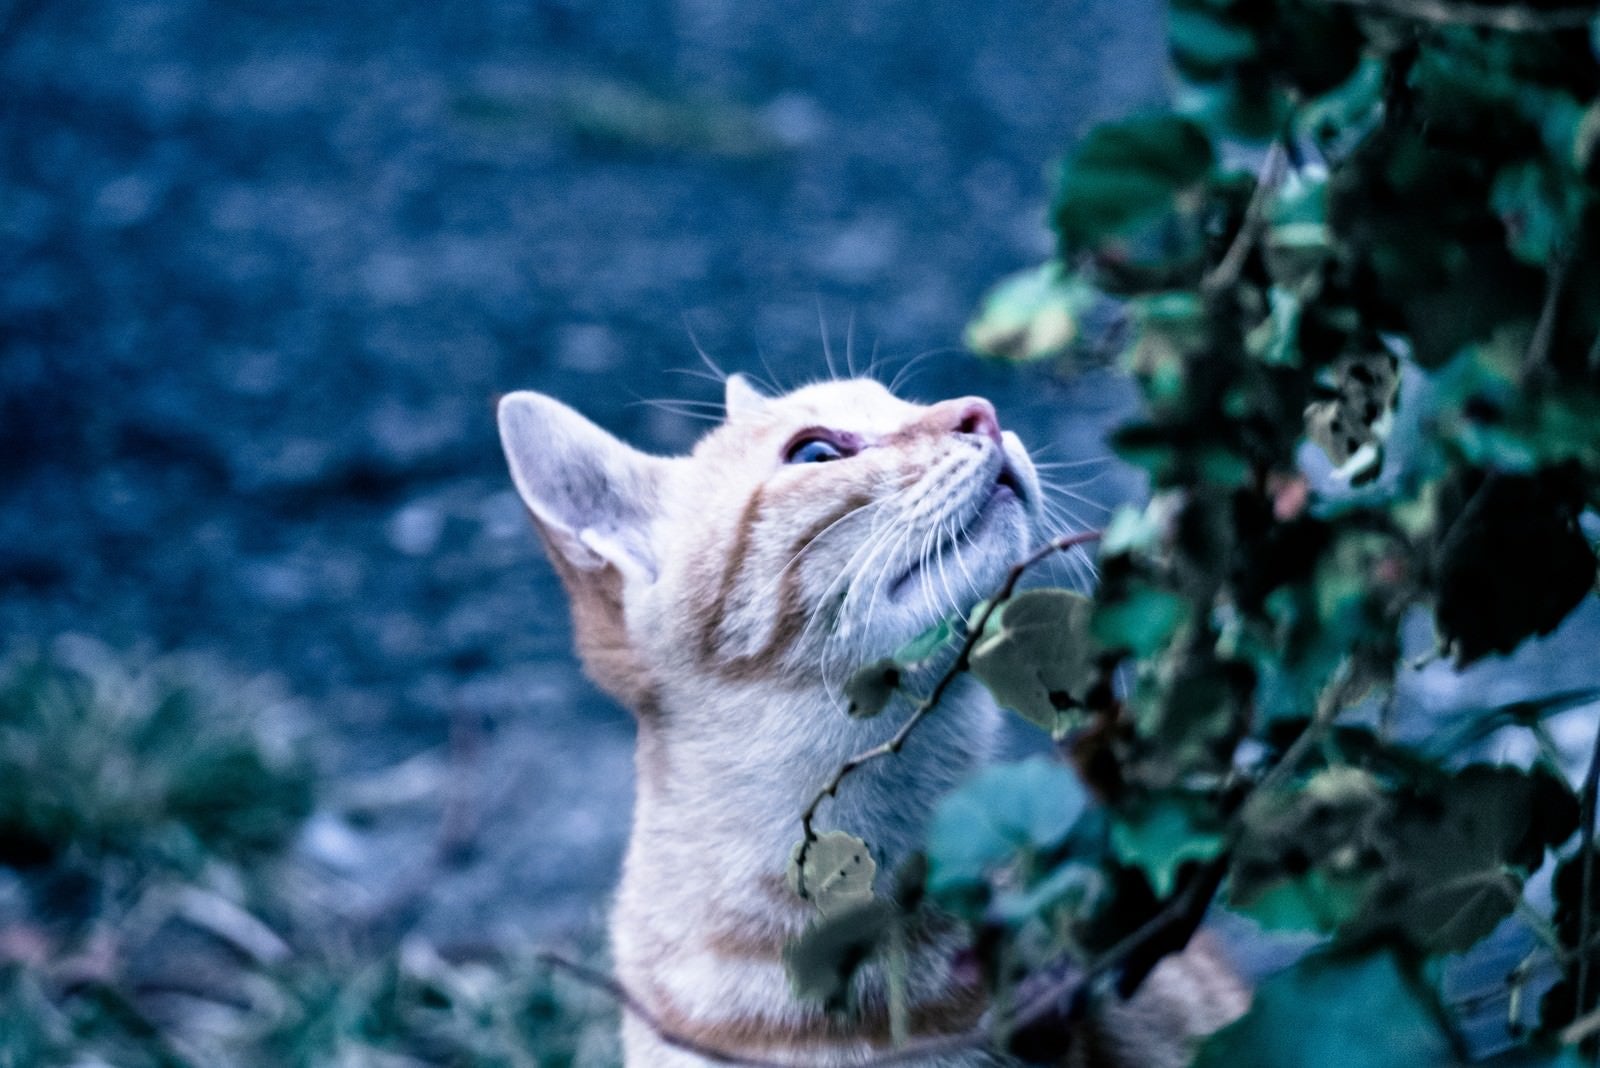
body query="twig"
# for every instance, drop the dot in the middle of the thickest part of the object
(1537, 358)
(897, 742)
(1183, 910)
(1228, 269)
(1171, 926)
(1591, 790)
(911, 1053)
(1340, 689)
(1489, 16)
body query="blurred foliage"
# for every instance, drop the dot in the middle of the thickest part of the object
(154, 910)
(1366, 230)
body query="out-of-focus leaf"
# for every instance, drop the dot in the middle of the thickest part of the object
(1540, 207)
(1437, 868)
(1003, 811)
(1162, 834)
(1512, 561)
(1030, 315)
(1170, 327)
(1201, 36)
(1140, 620)
(1127, 174)
(1335, 1011)
(1345, 114)
(1306, 860)
(926, 644)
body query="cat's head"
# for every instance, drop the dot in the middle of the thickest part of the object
(805, 536)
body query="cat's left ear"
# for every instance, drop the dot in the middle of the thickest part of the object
(592, 496)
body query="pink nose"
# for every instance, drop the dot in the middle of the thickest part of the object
(974, 415)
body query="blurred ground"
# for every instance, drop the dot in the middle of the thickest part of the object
(265, 267)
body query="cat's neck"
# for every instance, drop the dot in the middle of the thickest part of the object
(724, 772)
(741, 762)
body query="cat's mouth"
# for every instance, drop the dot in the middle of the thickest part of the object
(959, 552)
(1008, 479)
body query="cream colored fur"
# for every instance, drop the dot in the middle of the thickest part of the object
(724, 596)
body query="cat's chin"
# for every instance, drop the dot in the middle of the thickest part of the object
(959, 571)
(975, 557)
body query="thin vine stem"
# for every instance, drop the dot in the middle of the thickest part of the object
(1226, 273)
(1171, 925)
(1589, 799)
(897, 741)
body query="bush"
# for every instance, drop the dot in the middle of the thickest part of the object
(1357, 263)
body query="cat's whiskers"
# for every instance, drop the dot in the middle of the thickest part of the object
(1061, 519)
(850, 345)
(847, 571)
(908, 370)
(977, 595)
(938, 558)
(1071, 465)
(857, 512)
(1071, 491)
(878, 540)
(685, 409)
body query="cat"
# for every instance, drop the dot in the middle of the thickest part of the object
(722, 597)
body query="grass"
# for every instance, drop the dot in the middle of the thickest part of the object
(155, 912)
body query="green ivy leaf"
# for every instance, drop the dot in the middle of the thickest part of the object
(1458, 859)
(870, 689)
(1030, 315)
(1438, 867)
(926, 644)
(1163, 833)
(827, 955)
(1335, 1011)
(1541, 208)
(1003, 811)
(1141, 620)
(838, 873)
(1202, 39)
(1306, 859)
(1039, 661)
(1127, 174)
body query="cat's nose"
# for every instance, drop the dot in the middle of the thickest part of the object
(967, 415)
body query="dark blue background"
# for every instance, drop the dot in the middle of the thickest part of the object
(264, 267)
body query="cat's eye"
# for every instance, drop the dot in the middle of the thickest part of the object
(812, 451)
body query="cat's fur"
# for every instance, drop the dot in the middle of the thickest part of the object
(722, 596)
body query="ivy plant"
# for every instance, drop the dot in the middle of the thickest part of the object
(1359, 262)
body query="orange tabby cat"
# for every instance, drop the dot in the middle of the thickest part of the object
(722, 596)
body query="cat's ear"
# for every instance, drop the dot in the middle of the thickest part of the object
(592, 495)
(742, 398)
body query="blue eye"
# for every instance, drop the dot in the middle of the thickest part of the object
(813, 451)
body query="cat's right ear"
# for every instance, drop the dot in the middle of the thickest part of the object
(592, 496)
(741, 398)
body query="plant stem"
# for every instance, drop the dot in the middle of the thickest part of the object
(897, 741)
(1591, 788)
(1227, 271)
